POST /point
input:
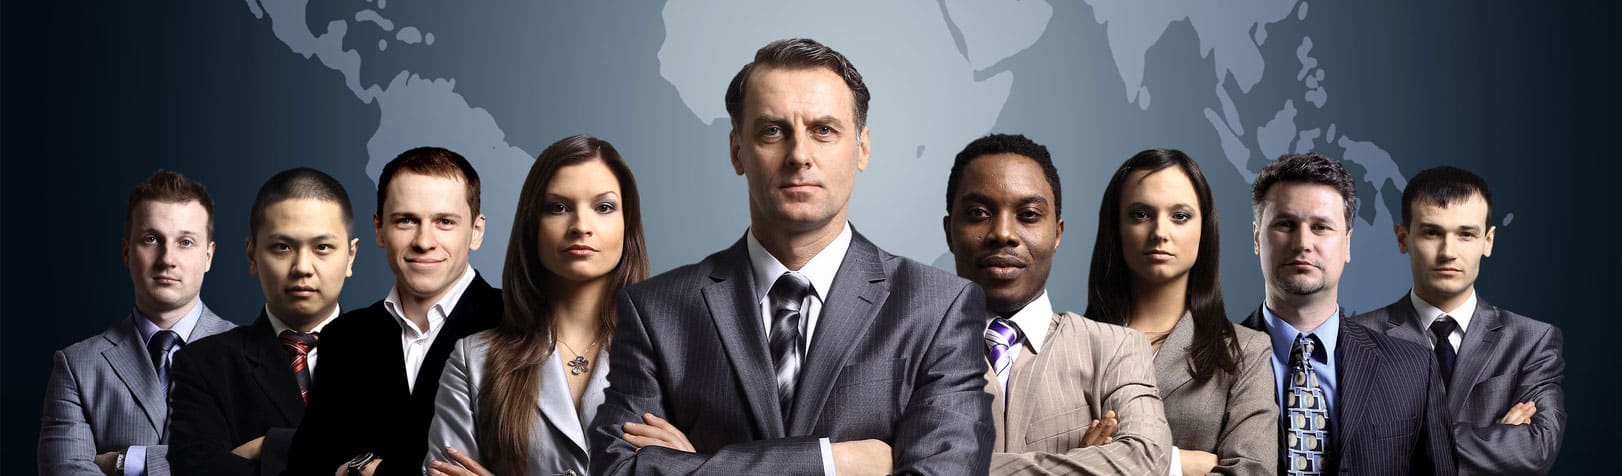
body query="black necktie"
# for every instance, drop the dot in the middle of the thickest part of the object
(158, 347)
(787, 345)
(1441, 328)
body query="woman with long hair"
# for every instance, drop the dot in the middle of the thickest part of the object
(516, 399)
(1154, 270)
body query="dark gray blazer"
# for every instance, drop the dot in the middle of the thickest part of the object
(1390, 413)
(897, 356)
(1234, 416)
(105, 396)
(1505, 358)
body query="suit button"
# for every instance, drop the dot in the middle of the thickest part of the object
(570, 473)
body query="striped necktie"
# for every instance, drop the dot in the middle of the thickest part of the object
(786, 342)
(300, 344)
(160, 346)
(1001, 336)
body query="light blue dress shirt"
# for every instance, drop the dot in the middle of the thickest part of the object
(1323, 356)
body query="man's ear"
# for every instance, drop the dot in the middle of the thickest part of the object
(253, 264)
(1402, 238)
(733, 144)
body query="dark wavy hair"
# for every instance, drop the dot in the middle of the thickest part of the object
(525, 335)
(798, 53)
(1109, 284)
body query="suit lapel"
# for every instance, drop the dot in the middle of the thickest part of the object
(858, 291)
(271, 368)
(1402, 322)
(1171, 361)
(999, 408)
(1022, 381)
(1479, 345)
(557, 404)
(730, 297)
(1358, 359)
(471, 314)
(130, 360)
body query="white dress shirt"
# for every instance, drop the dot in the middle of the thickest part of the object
(415, 342)
(277, 326)
(1429, 313)
(820, 271)
(1032, 321)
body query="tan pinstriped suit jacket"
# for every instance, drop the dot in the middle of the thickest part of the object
(1232, 416)
(1085, 368)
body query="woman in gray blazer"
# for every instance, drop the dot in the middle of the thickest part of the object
(1154, 270)
(516, 399)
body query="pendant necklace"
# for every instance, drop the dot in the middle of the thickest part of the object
(579, 364)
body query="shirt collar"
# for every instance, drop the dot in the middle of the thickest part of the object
(820, 270)
(1429, 313)
(277, 326)
(1033, 320)
(1284, 334)
(183, 327)
(438, 312)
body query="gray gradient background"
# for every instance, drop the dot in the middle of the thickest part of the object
(96, 99)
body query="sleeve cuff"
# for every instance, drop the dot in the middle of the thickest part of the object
(827, 456)
(135, 461)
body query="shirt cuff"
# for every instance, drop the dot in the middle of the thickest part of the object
(1176, 463)
(135, 461)
(827, 456)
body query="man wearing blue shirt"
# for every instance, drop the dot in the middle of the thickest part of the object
(1351, 400)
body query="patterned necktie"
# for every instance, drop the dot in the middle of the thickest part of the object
(1001, 336)
(1307, 412)
(1445, 355)
(300, 344)
(787, 345)
(158, 347)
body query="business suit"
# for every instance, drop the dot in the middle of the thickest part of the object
(360, 400)
(1232, 415)
(1390, 417)
(230, 389)
(896, 356)
(1505, 358)
(558, 436)
(1082, 369)
(104, 395)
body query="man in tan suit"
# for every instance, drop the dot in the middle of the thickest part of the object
(1071, 395)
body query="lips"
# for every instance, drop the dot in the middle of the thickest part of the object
(1160, 255)
(423, 261)
(1002, 266)
(302, 291)
(1300, 263)
(165, 280)
(580, 249)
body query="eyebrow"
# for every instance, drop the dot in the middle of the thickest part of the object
(1174, 205)
(286, 237)
(600, 196)
(980, 198)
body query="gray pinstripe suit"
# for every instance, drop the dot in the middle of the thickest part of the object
(104, 395)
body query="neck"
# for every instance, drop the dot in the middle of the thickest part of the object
(1445, 303)
(1157, 307)
(1304, 313)
(306, 324)
(795, 247)
(167, 318)
(578, 311)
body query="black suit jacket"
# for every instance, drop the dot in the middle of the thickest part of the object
(1504, 359)
(229, 389)
(897, 355)
(360, 400)
(1390, 415)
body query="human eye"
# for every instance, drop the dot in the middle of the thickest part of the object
(405, 222)
(280, 248)
(150, 239)
(1030, 215)
(446, 222)
(607, 207)
(1182, 217)
(325, 248)
(978, 213)
(555, 208)
(187, 242)
(1138, 215)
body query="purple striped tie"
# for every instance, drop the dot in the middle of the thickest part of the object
(1001, 335)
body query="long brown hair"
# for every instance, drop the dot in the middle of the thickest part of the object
(526, 333)
(1109, 284)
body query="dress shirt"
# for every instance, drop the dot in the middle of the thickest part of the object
(277, 326)
(820, 271)
(1032, 321)
(135, 456)
(414, 342)
(1428, 314)
(1323, 355)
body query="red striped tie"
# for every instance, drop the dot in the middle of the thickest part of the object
(301, 344)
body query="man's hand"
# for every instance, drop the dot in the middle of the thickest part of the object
(1520, 414)
(464, 466)
(107, 462)
(1101, 431)
(369, 470)
(861, 457)
(1196, 462)
(251, 449)
(655, 431)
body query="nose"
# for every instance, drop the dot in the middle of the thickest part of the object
(1160, 230)
(1301, 239)
(800, 151)
(1444, 251)
(303, 263)
(1002, 230)
(580, 225)
(423, 241)
(168, 256)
